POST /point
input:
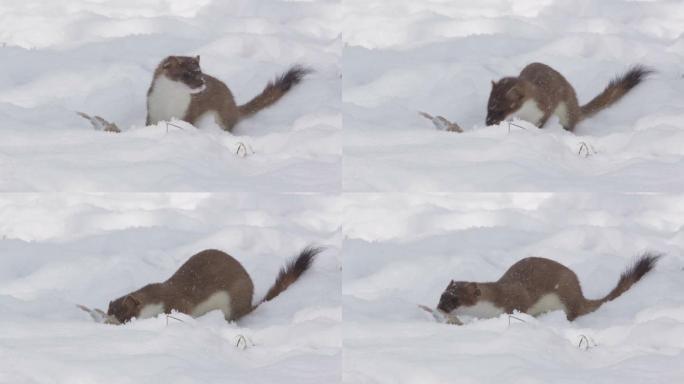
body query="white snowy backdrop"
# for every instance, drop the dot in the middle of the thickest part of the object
(57, 57)
(402, 56)
(61, 250)
(401, 250)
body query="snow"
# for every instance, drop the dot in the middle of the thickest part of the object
(439, 57)
(66, 249)
(401, 250)
(344, 160)
(98, 57)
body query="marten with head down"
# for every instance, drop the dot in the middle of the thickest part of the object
(535, 285)
(209, 280)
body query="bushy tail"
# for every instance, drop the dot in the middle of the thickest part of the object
(617, 88)
(292, 271)
(631, 275)
(274, 90)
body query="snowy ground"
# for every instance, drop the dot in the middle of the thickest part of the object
(59, 250)
(403, 56)
(402, 250)
(98, 57)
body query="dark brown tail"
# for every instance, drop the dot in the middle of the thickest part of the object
(631, 275)
(292, 271)
(617, 88)
(274, 90)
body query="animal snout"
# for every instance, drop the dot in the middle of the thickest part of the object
(444, 306)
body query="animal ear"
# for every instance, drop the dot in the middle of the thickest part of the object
(514, 93)
(197, 58)
(170, 60)
(131, 300)
(493, 83)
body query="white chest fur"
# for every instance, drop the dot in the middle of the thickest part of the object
(218, 300)
(483, 310)
(168, 99)
(529, 111)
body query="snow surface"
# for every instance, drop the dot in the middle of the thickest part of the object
(351, 126)
(401, 250)
(58, 57)
(404, 56)
(67, 249)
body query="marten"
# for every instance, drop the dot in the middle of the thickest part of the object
(209, 280)
(181, 90)
(535, 285)
(540, 91)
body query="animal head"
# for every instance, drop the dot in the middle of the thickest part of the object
(124, 308)
(506, 97)
(185, 69)
(458, 293)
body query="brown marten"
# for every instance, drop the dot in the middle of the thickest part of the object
(209, 280)
(535, 285)
(180, 90)
(540, 91)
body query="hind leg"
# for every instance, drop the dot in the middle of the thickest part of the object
(543, 120)
(572, 311)
(572, 114)
(572, 120)
(227, 118)
(567, 290)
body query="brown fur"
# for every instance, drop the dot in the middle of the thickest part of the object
(528, 280)
(201, 276)
(549, 88)
(274, 90)
(291, 272)
(217, 97)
